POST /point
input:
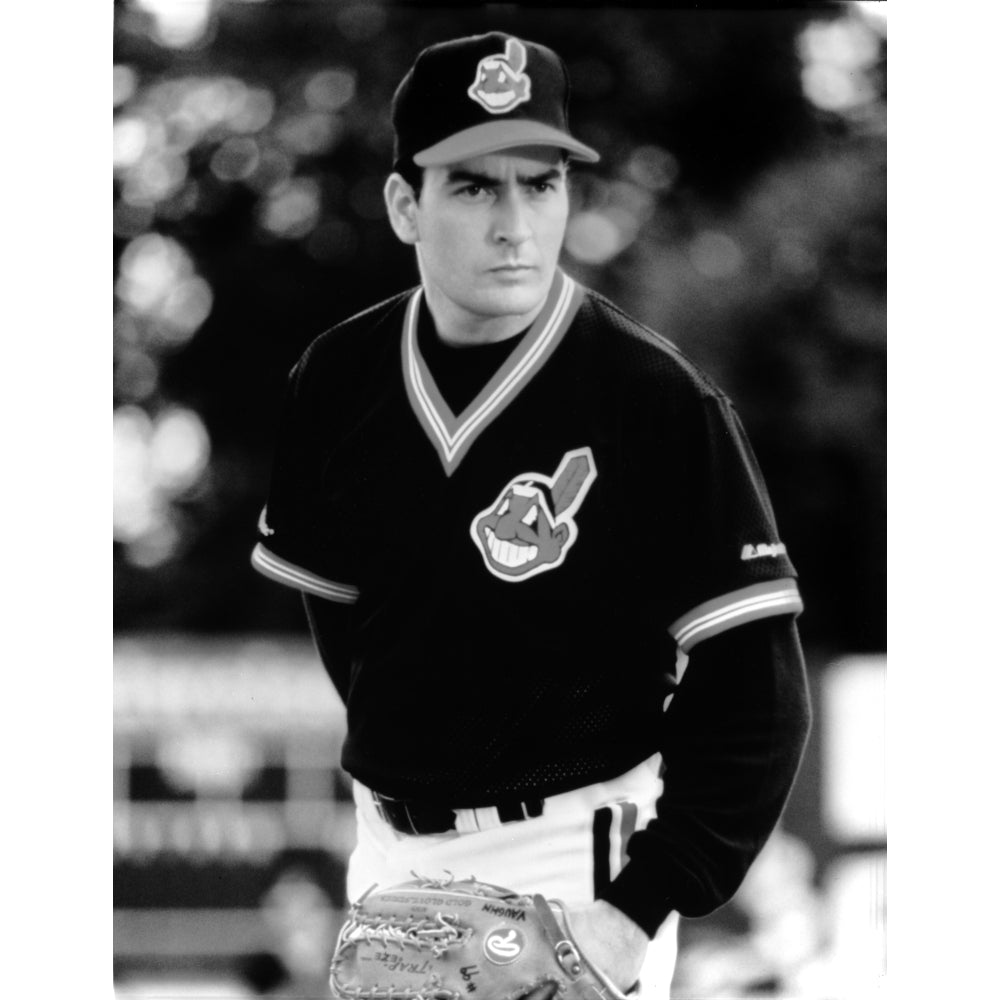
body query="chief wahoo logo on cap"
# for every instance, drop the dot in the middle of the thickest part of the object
(501, 83)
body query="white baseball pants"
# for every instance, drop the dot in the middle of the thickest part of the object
(573, 848)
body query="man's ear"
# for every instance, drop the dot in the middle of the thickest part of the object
(401, 204)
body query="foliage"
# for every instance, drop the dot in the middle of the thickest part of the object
(739, 209)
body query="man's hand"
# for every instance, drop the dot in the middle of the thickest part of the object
(611, 941)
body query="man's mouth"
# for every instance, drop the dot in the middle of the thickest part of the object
(509, 554)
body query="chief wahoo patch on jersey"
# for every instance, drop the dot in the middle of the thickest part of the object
(530, 526)
(501, 83)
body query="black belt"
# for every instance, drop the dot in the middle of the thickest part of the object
(412, 816)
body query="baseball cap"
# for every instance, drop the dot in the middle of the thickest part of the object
(483, 94)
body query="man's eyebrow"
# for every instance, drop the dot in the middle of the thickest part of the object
(553, 173)
(459, 176)
(472, 177)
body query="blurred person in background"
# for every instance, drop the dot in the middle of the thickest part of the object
(519, 519)
(301, 907)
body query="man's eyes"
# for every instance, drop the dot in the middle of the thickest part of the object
(481, 192)
(474, 192)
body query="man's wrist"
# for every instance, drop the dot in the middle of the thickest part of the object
(631, 893)
(627, 926)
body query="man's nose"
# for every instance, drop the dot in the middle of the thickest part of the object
(511, 224)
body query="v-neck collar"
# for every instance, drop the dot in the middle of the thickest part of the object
(452, 435)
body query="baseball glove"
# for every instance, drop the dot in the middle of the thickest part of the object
(434, 939)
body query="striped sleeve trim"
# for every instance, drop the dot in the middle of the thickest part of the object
(760, 600)
(266, 562)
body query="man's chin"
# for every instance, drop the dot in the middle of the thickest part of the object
(515, 298)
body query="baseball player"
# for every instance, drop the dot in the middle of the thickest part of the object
(519, 518)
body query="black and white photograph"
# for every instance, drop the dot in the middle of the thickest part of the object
(499, 487)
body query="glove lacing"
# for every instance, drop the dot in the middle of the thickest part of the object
(434, 934)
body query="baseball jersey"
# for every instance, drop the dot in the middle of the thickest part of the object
(523, 571)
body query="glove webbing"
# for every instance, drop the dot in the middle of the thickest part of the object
(592, 983)
(435, 935)
(431, 935)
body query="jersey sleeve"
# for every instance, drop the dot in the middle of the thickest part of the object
(299, 541)
(737, 569)
(732, 743)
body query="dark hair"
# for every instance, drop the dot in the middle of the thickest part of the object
(412, 174)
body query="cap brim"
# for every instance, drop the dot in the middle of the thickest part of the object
(494, 137)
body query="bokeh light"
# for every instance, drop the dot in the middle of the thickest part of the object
(136, 374)
(125, 81)
(292, 208)
(131, 135)
(877, 12)
(835, 56)
(309, 132)
(273, 167)
(653, 167)
(236, 159)
(157, 280)
(156, 460)
(330, 89)
(715, 254)
(178, 24)
(592, 237)
(253, 111)
(611, 216)
(155, 178)
(178, 449)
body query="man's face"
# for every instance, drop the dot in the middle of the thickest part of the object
(489, 231)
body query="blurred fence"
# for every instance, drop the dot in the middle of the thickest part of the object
(233, 823)
(226, 787)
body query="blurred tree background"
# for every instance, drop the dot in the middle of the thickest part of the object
(739, 209)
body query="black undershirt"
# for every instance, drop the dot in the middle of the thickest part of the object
(460, 371)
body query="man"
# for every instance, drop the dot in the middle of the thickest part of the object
(519, 518)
